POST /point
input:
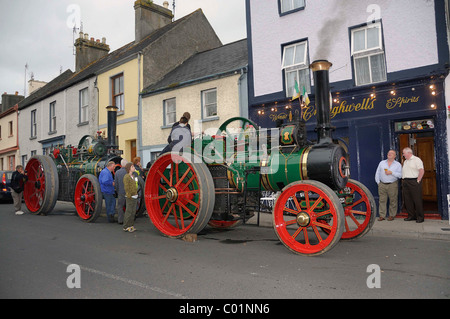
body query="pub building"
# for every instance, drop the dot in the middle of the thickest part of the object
(369, 122)
(389, 80)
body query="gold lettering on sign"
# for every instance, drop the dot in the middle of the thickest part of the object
(280, 116)
(399, 101)
(366, 105)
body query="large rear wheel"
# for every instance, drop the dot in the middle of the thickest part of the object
(179, 195)
(41, 189)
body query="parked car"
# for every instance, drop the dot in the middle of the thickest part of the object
(5, 183)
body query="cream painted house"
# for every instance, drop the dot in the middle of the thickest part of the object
(211, 86)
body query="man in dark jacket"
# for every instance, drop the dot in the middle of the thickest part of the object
(120, 190)
(106, 181)
(18, 180)
(180, 136)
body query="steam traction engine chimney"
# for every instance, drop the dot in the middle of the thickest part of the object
(324, 129)
(112, 127)
(327, 162)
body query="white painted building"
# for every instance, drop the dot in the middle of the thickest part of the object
(60, 113)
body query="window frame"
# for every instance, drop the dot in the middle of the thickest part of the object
(121, 94)
(166, 121)
(367, 52)
(282, 13)
(204, 106)
(33, 126)
(83, 110)
(297, 67)
(52, 117)
(10, 129)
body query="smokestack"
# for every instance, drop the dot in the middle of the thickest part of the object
(112, 126)
(324, 129)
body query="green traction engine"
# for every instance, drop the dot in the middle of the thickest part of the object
(219, 182)
(70, 174)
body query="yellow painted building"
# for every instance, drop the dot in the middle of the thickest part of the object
(120, 86)
(159, 47)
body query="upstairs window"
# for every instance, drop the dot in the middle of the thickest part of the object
(368, 54)
(117, 90)
(286, 6)
(296, 68)
(10, 129)
(52, 117)
(209, 101)
(170, 111)
(84, 106)
(33, 124)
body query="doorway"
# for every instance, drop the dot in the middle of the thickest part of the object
(133, 150)
(422, 144)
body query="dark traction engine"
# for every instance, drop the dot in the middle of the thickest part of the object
(70, 174)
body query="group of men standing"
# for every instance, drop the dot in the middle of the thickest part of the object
(125, 184)
(388, 173)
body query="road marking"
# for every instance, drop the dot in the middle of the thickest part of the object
(128, 281)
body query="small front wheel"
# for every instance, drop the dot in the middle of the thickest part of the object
(301, 213)
(88, 198)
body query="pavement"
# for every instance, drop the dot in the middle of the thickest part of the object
(429, 229)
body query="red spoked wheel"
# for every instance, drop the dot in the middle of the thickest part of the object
(88, 198)
(360, 210)
(302, 211)
(41, 189)
(179, 195)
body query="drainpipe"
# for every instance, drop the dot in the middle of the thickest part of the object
(139, 126)
(243, 109)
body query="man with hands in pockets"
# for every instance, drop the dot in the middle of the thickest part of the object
(388, 173)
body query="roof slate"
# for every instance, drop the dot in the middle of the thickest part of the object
(215, 62)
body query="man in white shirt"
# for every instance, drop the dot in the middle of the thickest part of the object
(412, 175)
(388, 173)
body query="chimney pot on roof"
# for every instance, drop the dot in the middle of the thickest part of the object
(166, 4)
(150, 17)
(89, 51)
(104, 40)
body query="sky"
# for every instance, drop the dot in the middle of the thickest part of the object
(39, 33)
